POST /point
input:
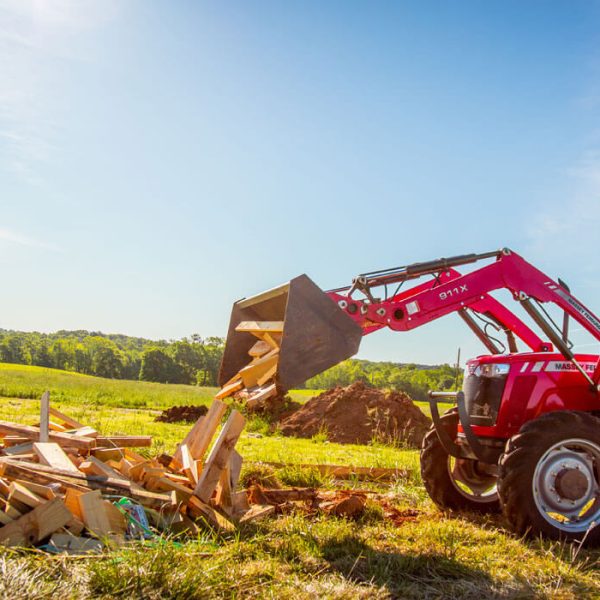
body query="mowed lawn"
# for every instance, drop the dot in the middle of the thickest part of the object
(432, 555)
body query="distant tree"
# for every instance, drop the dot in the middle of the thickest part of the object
(157, 365)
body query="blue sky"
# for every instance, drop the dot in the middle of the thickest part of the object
(159, 160)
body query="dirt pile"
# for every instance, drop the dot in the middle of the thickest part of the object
(177, 414)
(358, 414)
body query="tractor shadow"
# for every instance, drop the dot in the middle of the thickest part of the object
(425, 575)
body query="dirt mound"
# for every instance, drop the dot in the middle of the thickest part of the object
(358, 414)
(187, 414)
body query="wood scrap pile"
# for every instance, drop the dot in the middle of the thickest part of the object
(255, 382)
(65, 484)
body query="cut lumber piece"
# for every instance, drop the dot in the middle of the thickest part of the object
(260, 326)
(260, 395)
(33, 433)
(56, 427)
(72, 544)
(203, 431)
(44, 491)
(268, 375)
(273, 339)
(219, 456)
(85, 431)
(166, 485)
(257, 512)
(229, 389)
(116, 519)
(97, 467)
(5, 519)
(53, 455)
(72, 503)
(94, 514)
(253, 372)
(123, 441)
(4, 488)
(25, 448)
(36, 525)
(188, 464)
(235, 468)
(105, 454)
(13, 512)
(65, 419)
(239, 501)
(199, 509)
(223, 495)
(44, 417)
(260, 347)
(19, 493)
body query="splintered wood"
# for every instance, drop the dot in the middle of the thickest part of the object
(255, 382)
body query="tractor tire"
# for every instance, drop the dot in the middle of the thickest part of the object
(548, 482)
(437, 473)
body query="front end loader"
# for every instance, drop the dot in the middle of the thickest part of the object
(524, 437)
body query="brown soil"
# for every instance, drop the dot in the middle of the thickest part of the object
(187, 414)
(358, 414)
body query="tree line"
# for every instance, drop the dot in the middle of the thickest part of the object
(415, 380)
(193, 360)
(196, 360)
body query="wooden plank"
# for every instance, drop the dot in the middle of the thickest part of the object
(21, 494)
(260, 395)
(72, 503)
(223, 495)
(251, 373)
(56, 427)
(124, 441)
(53, 455)
(65, 419)
(5, 519)
(259, 349)
(235, 468)
(33, 433)
(100, 468)
(189, 466)
(116, 519)
(219, 456)
(229, 389)
(105, 454)
(43, 491)
(260, 326)
(85, 431)
(94, 514)
(26, 448)
(199, 437)
(44, 417)
(268, 375)
(273, 339)
(36, 525)
(199, 509)
(257, 512)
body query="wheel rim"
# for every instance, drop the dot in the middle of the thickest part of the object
(470, 482)
(565, 485)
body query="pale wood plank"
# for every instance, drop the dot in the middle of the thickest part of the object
(45, 417)
(53, 455)
(219, 456)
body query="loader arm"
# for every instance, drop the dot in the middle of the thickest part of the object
(451, 292)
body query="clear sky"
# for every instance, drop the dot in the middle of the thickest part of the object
(161, 159)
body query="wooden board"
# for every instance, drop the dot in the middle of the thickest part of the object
(20, 493)
(229, 389)
(199, 509)
(259, 349)
(124, 441)
(219, 456)
(257, 512)
(33, 433)
(94, 514)
(65, 419)
(260, 326)
(36, 525)
(72, 544)
(251, 373)
(44, 417)
(97, 467)
(189, 465)
(43, 491)
(201, 434)
(260, 395)
(53, 455)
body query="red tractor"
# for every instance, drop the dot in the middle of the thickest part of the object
(524, 436)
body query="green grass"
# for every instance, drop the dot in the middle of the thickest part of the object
(291, 556)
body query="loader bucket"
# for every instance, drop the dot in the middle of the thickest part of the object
(316, 333)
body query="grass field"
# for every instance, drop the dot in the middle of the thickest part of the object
(434, 556)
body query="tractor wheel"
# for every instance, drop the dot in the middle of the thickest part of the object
(549, 477)
(455, 483)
